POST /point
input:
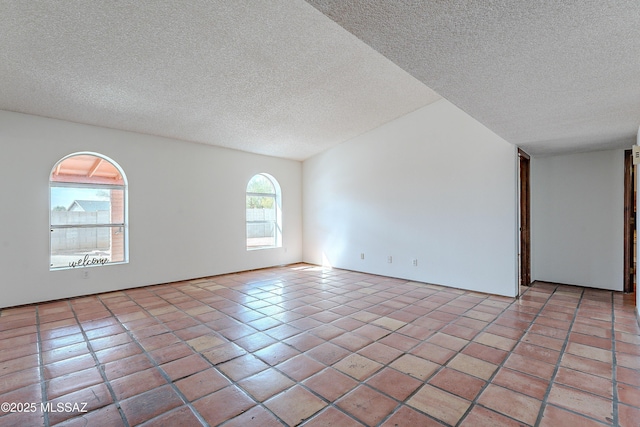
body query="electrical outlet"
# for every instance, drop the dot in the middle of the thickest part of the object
(362, 255)
(85, 274)
(415, 262)
(389, 259)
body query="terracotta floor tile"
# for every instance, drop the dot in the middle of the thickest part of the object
(483, 417)
(507, 402)
(543, 341)
(439, 404)
(223, 353)
(372, 332)
(266, 384)
(54, 369)
(185, 366)
(108, 415)
(460, 331)
(472, 366)
(399, 341)
(585, 382)
(560, 334)
(628, 360)
(150, 404)
(590, 352)
(367, 405)
(380, 353)
(28, 394)
(554, 416)
(522, 383)
(415, 366)
(205, 342)
(276, 353)
(406, 416)
(629, 394)
(351, 341)
(58, 354)
(486, 353)
(62, 385)
(223, 404)
(374, 339)
(20, 379)
(628, 376)
(283, 332)
(590, 340)
(304, 341)
(536, 352)
(330, 383)
(457, 383)
(256, 416)
(581, 402)
(393, 383)
(389, 323)
(496, 341)
(202, 383)
(358, 367)
(628, 416)
(58, 342)
(627, 338)
(95, 397)
(422, 328)
(255, 341)
(179, 417)
(530, 366)
(471, 323)
(332, 417)
(242, 367)
(138, 382)
(300, 367)
(587, 365)
(433, 352)
(328, 353)
(448, 341)
(295, 405)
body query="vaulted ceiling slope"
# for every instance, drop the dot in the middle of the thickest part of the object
(273, 77)
(549, 76)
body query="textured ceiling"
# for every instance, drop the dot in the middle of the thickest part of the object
(550, 76)
(279, 77)
(274, 77)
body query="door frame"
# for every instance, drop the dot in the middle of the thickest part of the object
(524, 274)
(629, 222)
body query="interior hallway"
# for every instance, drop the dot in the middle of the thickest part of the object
(299, 344)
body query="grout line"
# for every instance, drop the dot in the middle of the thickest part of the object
(322, 284)
(99, 366)
(489, 381)
(43, 380)
(154, 363)
(614, 364)
(543, 406)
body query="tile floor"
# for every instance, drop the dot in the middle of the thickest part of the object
(299, 345)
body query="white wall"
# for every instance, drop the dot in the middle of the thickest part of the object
(186, 209)
(434, 185)
(577, 219)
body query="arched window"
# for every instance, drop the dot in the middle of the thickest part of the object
(87, 212)
(264, 212)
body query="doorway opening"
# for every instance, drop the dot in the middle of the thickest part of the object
(525, 221)
(630, 237)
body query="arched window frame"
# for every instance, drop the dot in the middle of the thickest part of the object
(119, 228)
(277, 221)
